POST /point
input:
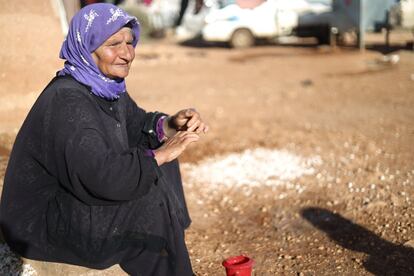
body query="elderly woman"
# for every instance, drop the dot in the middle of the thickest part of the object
(93, 179)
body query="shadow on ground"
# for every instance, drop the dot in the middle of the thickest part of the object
(198, 42)
(384, 257)
(385, 50)
(382, 48)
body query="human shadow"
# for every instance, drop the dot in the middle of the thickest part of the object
(384, 257)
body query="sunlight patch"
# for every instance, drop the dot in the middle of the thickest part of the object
(256, 167)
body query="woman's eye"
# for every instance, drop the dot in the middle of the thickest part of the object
(117, 43)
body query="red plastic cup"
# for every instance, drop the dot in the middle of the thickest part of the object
(238, 266)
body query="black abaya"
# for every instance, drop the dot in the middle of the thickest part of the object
(80, 188)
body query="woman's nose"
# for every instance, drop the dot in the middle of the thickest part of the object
(125, 52)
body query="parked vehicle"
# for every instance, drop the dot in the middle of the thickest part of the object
(193, 20)
(354, 16)
(232, 22)
(241, 27)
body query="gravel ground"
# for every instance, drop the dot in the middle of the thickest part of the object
(308, 168)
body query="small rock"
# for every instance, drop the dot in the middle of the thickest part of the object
(377, 204)
(397, 201)
(358, 261)
(409, 243)
(306, 83)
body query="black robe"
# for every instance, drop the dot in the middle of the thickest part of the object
(80, 189)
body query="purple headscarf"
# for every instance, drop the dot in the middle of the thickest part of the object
(89, 28)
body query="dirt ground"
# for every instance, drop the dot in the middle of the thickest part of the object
(355, 110)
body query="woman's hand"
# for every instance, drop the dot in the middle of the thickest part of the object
(174, 146)
(185, 120)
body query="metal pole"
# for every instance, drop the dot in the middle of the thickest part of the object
(387, 30)
(361, 25)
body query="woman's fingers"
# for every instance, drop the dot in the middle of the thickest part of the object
(182, 137)
(202, 128)
(194, 126)
(190, 138)
(185, 115)
(197, 124)
(189, 112)
(199, 127)
(194, 119)
(190, 120)
(175, 145)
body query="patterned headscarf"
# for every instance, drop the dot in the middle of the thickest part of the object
(89, 28)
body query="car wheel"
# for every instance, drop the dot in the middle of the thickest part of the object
(242, 38)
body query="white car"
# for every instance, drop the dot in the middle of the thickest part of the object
(230, 21)
(241, 27)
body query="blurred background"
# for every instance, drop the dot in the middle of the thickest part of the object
(240, 23)
(308, 167)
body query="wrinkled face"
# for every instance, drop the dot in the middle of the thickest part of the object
(115, 55)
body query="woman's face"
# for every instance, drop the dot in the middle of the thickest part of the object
(115, 55)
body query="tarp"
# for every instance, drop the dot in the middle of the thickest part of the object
(249, 4)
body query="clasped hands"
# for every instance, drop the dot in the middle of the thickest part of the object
(180, 130)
